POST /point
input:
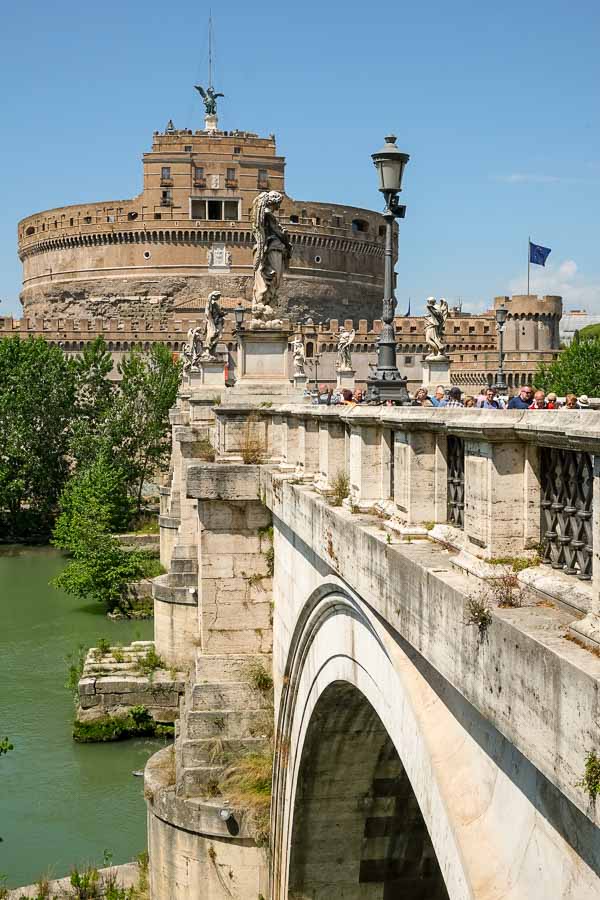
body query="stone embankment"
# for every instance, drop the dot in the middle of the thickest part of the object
(116, 680)
(125, 876)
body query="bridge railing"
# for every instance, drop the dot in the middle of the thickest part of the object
(495, 484)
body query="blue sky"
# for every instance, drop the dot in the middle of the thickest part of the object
(497, 105)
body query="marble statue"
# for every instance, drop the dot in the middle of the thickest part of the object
(298, 356)
(435, 323)
(209, 98)
(272, 252)
(344, 358)
(192, 350)
(215, 320)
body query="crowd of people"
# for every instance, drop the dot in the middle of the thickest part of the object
(488, 398)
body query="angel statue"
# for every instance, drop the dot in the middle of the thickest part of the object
(192, 350)
(215, 320)
(345, 340)
(298, 356)
(272, 252)
(209, 98)
(435, 322)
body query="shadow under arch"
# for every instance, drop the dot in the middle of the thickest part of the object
(358, 830)
(405, 850)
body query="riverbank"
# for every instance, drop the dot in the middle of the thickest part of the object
(63, 803)
(128, 875)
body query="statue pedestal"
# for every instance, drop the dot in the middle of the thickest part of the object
(208, 372)
(300, 381)
(211, 123)
(345, 379)
(436, 370)
(262, 366)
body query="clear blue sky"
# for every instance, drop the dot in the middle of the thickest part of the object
(497, 104)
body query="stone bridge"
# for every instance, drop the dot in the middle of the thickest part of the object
(433, 643)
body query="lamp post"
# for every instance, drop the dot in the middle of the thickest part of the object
(317, 359)
(239, 312)
(386, 382)
(501, 314)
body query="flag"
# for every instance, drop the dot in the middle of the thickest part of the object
(538, 255)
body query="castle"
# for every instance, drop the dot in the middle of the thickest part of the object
(138, 271)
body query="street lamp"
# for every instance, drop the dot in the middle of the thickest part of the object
(386, 382)
(239, 316)
(501, 315)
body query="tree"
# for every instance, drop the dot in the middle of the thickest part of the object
(577, 370)
(98, 491)
(95, 394)
(138, 424)
(37, 391)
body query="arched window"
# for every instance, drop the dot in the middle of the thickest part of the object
(309, 349)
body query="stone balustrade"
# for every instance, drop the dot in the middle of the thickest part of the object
(492, 484)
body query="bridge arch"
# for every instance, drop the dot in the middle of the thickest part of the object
(467, 815)
(334, 708)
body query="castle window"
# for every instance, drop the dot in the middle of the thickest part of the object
(30, 230)
(158, 215)
(237, 150)
(110, 218)
(263, 178)
(309, 350)
(187, 148)
(131, 216)
(294, 220)
(337, 221)
(471, 329)
(382, 231)
(165, 172)
(457, 329)
(214, 210)
(230, 174)
(87, 220)
(70, 221)
(359, 225)
(198, 173)
(408, 360)
(166, 197)
(486, 329)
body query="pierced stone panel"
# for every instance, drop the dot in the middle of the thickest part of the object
(456, 481)
(567, 480)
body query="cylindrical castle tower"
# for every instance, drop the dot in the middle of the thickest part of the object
(532, 322)
(189, 232)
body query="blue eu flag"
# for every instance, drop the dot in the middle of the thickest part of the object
(538, 255)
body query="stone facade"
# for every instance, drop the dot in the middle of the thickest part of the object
(472, 342)
(189, 233)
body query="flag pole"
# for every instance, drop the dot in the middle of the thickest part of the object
(528, 261)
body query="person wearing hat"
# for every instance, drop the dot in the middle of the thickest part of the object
(584, 402)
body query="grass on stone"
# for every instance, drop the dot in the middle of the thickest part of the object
(247, 785)
(138, 723)
(340, 488)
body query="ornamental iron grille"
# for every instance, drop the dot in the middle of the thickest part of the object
(567, 480)
(456, 481)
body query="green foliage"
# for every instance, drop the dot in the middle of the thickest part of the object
(478, 614)
(86, 883)
(150, 662)
(269, 551)
(591, 776)
(577, 370)
(340, 488)
(75, 672)
(590, 332)
(101, 569)
(137, 723)
(247, 785)
(258, 676)
(37, 391)
(97, 492)
(5, 746)
(205, 450)
(103, 646)
(517, 563)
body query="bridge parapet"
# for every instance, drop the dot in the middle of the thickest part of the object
(494, 485)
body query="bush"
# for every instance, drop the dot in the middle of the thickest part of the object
(340, 488)
(138, 723)
(577, 370)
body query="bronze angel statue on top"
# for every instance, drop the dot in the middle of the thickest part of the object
(209, 98)
(272, 252)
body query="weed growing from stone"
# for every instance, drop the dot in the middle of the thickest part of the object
(205, 451)
(591, 776)
(247, 785)
(517, 563)
(507, 591)
(103, 646)
(479, 614)
(118, 654)
(75, 671)
(269, 553)
(340, 488)
(388, 538)
(259, 677)
(150, 662)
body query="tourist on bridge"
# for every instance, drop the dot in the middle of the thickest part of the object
(491, 400)
(523, 398)
(439, 395)
(422, 398)
(539, 400)
(454, 398)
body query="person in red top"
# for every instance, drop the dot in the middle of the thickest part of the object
(551, 401)
(539, 400)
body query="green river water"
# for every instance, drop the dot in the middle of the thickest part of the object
(61, 803)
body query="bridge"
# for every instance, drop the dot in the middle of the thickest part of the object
(424, 587)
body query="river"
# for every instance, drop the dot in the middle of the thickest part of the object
(61, 803)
